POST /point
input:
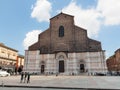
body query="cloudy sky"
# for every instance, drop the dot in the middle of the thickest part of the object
(22, 20)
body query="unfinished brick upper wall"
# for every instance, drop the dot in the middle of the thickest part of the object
(74, 40)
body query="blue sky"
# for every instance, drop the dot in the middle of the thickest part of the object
(22, 20)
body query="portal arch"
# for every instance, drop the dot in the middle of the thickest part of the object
(61, 62)
(82, 65)
(42, 67)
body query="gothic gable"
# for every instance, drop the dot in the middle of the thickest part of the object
(64, 36)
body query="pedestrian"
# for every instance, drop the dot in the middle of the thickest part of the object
(28, 78)
(25, 77)
(56, 74)
(22, 76)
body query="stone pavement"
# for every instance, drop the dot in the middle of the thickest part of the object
(63, 82)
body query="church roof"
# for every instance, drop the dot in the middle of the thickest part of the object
(61, 14)
(118, 50)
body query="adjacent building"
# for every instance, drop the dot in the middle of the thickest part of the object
(8, 57)
(65, 48)
(113, 62)
(20, 61)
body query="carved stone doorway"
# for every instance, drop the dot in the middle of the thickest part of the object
(82, 68)
(61, 66)
(42, 69)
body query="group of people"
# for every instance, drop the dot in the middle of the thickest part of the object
(25, 76)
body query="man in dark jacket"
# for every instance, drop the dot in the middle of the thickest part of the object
(28, 78)
(22, 76)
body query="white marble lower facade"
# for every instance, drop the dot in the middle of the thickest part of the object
(66, 63)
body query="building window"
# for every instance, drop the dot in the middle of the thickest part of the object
(61, 31)
(14, 54)
(2, 51)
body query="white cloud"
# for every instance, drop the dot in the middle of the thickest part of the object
(110, 10)
(85, 18)
(41, 10)
(31, 38)
(106, 12)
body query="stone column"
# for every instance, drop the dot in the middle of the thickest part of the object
(37, 61)
(88, 63)
(67, 63)
(26, 60)
(74, 63)
(48, 63)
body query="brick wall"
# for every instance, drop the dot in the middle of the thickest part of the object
(74, 40)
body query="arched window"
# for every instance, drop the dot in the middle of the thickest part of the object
(61, 31)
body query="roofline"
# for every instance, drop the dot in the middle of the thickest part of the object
(117, 50)
(19, 55)
(2, 45)
(81, 28)
(94, 40)
(61, 13)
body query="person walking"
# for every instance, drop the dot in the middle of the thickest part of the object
(22, 76)
(25, 77)
(28, 78)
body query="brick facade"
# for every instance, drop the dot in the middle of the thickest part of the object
(75, 38)
(113, 62)
(65, 48)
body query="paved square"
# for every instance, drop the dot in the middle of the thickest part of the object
(101, 82)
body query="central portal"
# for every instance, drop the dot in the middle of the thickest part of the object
(82, 69)
(61, 66)
(42, 68)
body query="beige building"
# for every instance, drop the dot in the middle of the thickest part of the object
(66, 49)
(8, 57)
(20, 61)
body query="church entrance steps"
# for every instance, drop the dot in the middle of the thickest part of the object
(62, 74)
(66, 74)
(83, 74)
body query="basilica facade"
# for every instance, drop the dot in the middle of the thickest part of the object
(65, 48)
